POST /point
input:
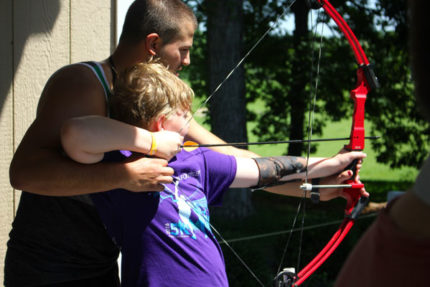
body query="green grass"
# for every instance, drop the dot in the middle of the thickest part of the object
(371, 170)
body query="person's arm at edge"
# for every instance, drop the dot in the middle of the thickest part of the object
(412, 215)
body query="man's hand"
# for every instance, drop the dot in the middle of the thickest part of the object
(168, 144)
(146, 174)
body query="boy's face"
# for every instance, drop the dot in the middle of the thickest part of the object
(177, 53)
(177, 121)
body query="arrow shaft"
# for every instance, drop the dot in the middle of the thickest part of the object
(273, 142)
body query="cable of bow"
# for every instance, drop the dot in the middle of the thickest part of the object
(366, 81)
(204, 103)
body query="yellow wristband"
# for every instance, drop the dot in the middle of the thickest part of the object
(153, 149)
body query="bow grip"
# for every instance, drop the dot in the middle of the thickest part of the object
(352, 166)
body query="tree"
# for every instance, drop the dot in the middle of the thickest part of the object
(281, 72)
(279, 79)
(227, 105)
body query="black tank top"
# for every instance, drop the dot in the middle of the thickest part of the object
(57, 239)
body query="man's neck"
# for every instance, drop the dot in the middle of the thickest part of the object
(126, 56)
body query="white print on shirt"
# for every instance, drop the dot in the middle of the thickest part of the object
(193, 213)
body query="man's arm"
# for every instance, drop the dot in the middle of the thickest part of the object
(201, 135)
(38, 165)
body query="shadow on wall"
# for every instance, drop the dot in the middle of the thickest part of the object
(28, 18)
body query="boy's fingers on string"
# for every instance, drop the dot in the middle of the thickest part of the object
(165, 144)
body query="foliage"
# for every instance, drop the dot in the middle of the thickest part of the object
(271, 74)
(393, 109)
(270, 78)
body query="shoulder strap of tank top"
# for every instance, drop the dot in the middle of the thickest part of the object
(98, 71)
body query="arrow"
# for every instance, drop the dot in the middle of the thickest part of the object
(191, 144)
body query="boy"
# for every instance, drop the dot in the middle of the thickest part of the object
(165, 237)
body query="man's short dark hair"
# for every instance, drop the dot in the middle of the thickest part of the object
(163, 17)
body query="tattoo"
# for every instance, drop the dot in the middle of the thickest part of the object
(272, 169)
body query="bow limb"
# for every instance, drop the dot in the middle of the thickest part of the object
(366, 80)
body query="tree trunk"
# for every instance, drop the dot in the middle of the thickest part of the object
(228, 106)
(301, 67)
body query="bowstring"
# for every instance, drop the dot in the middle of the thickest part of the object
(312, 103)
(204, 103)
(311, 111)
(311, 114)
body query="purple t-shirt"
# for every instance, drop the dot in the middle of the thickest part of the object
(165, 237)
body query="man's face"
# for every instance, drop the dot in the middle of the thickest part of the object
(177, 53)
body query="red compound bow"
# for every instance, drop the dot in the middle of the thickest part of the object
(366, 81)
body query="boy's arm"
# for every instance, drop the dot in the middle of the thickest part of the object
(271, 170)
(293, 188)
(201, 135)
(248, 174)
(86, 139)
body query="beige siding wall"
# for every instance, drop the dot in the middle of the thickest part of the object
(6, 126)
(38, 37)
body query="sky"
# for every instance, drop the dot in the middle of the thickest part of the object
(122, 7)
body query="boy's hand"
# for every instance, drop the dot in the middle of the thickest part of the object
(331, 193)
(345, 158)
(168, 144)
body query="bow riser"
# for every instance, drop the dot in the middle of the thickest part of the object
(359, 96)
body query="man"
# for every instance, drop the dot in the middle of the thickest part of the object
(395, 250)
(57, 238)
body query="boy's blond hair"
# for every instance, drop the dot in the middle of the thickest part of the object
(146, 91)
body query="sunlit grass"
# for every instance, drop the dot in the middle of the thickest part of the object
(371, 170)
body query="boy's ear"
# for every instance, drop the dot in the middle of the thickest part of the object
(152, 43)
(158, 124)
